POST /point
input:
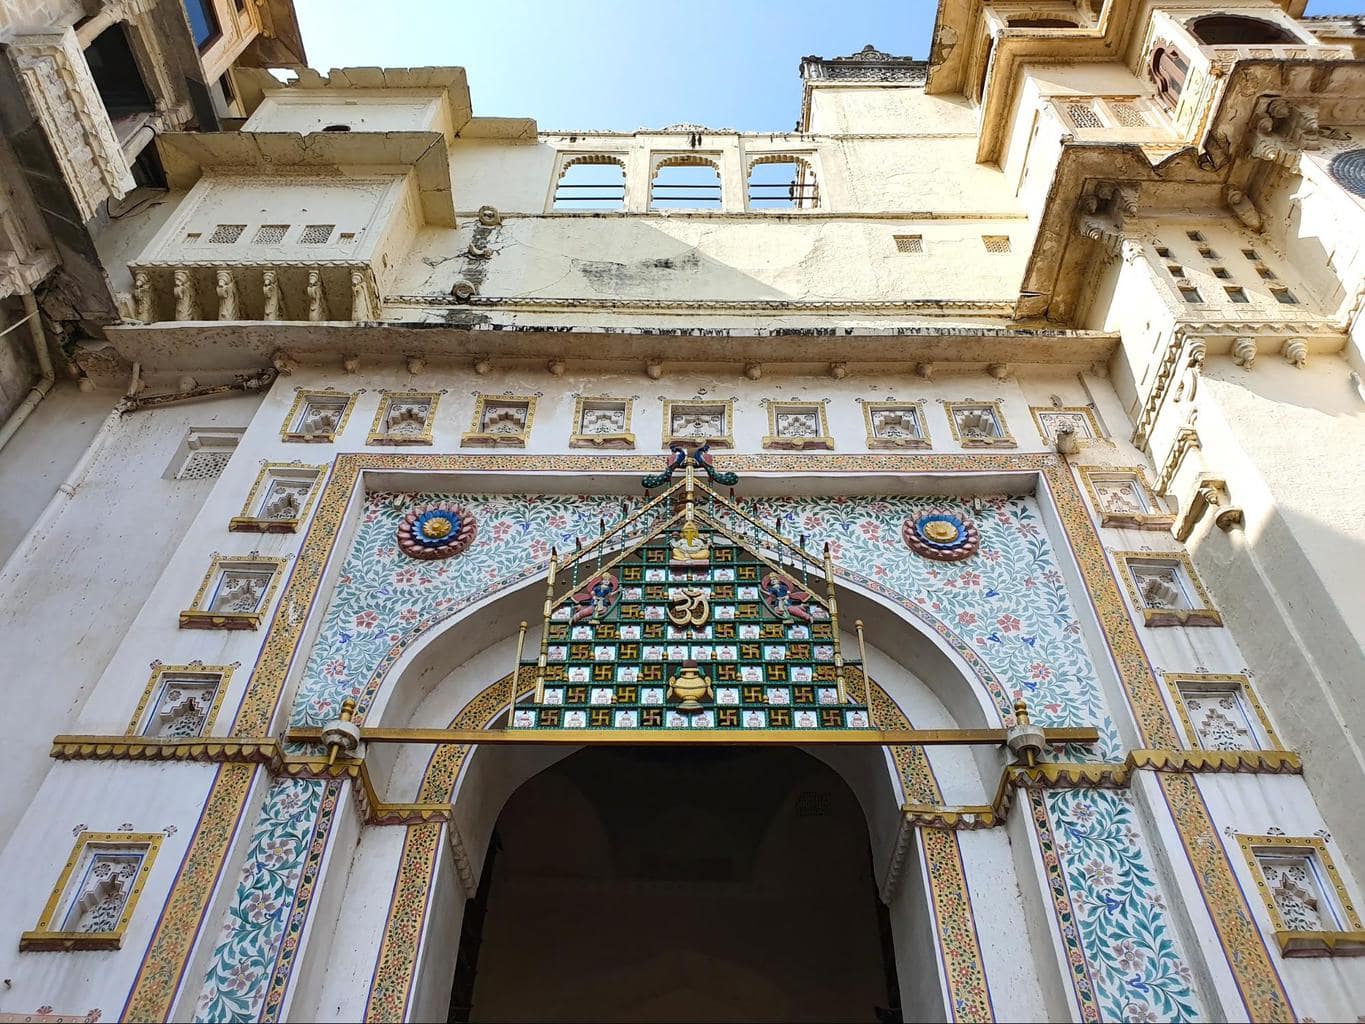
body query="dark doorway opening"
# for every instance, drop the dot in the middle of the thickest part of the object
(656, 884)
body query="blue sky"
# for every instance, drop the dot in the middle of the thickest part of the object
(625, 64)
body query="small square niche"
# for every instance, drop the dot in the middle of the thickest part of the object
(280, 499)
(698, 421)
(895, 425)
(798, 426)
(235, 593)
(317, 416)
(501, 421)
(1165, 590)
(602, 423)
(979, 425)
(404, 417)
(180, 701)
(1124, 500)
(1221, 712)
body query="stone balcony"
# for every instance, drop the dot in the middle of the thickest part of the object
(273, 290)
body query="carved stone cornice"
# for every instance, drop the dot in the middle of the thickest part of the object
(213, 750)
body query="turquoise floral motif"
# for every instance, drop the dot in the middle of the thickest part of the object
(383, 599)
(1138, 971)
(1005, 611)
(250, 942)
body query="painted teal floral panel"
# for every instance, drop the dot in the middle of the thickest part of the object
(1138, 971)
(280, 866)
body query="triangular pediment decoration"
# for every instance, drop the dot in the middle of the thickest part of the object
(689, 613)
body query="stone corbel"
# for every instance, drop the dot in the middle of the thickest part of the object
(186, 297)
(1208, 493)
(144, 298)
(1244, 352)
(229, 307)
(364, 305)
(1281, 130)
(273, 296)
(1243, 208)
(317, 297)
(1102, 212)
(1295, 352)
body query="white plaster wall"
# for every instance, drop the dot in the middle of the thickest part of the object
(40, 456)
(879, 109)
(746, 259)
(351, 204)
(108, 797)
(68, 601)
(361, 110)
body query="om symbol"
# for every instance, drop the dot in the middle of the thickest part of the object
(689, 608)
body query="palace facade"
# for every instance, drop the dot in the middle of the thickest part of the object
(911, 566)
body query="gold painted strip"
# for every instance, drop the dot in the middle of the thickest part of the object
(697, 737)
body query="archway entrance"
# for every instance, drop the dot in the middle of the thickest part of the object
(667, 884)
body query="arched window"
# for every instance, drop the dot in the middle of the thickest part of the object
(685, 183)
(1040, 23)
(593, 181)
(782, 182)
(1168, 70)
(1233, 29)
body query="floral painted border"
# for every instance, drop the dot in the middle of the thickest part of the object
(261, 934)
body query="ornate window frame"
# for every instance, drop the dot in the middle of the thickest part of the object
(1084, 411)
(624, 439)
(150, 694)
(1177, 683)
(1202, 612)
(874, 442)
(996, 407)
(249, 522)
(47, 936)
(1340, 942)
(301, 400)
(380, 436)
(1152, 519)
(725, 440)
(821, 442)
(198, 617)
(479, 438)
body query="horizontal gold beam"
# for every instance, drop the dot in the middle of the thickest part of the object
(699, 737)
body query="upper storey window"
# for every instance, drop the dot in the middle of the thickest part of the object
(203, 22)
(1169, 69)
(782, 182)
(591, 182)
(1234, 29)
(685, 182)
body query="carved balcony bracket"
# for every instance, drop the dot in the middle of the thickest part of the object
(1102, 211)
(1280, 130)
(1208, 494)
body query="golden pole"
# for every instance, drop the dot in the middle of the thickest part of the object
(867, 681)
(545, 630)
(841, 688)
(347, 713)
(1021, 718)
(516, 675)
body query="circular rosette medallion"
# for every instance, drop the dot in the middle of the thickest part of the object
(941, 536)
(436, 531)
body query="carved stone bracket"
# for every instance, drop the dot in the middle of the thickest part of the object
(1101, 213)
(1208, 493)
(1281, 130)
